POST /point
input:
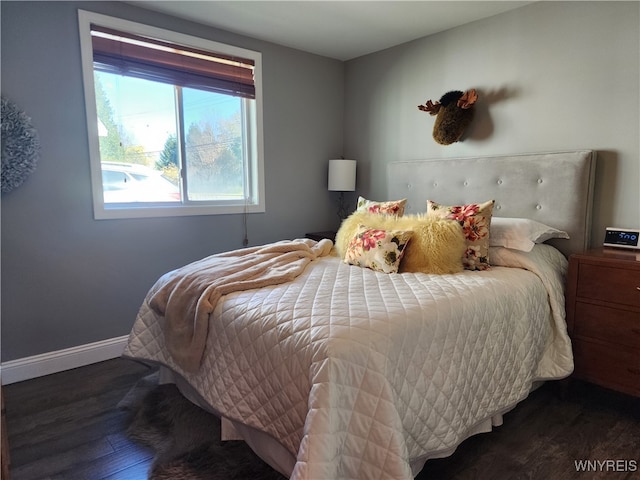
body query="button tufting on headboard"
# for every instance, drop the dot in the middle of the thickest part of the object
(521, 185)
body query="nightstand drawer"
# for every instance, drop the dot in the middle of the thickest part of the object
(608, 324)
(611, 366)
(609, 284)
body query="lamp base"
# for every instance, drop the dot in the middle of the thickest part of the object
(342, 209)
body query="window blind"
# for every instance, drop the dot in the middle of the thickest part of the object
(161, 61)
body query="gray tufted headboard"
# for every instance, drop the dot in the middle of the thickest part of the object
(553, 188)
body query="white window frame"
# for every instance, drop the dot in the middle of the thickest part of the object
(253, 137)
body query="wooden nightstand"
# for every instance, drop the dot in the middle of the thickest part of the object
(317, 236)
(603, 317)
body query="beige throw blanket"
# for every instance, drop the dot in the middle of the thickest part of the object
(187, 296)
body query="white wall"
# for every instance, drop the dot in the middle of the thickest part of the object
(551, 76)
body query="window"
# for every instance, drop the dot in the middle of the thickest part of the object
(174, 121)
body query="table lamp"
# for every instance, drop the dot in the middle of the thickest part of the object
(342, 178)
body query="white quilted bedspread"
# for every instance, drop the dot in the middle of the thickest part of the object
(357, 373)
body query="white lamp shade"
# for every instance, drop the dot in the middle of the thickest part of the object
(342, 175)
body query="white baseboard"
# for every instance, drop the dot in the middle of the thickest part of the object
(53, 362)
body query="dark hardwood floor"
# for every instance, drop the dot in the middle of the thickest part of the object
(67, 426)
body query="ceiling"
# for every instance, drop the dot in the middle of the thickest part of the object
(338, 29)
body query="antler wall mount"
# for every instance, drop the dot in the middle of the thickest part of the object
(453, 113)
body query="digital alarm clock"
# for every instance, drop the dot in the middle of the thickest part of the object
(622, 237)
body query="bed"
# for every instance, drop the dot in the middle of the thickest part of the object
(342, 372)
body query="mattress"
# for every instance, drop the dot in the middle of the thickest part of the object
(364, 375)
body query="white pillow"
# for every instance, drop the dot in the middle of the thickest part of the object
(521, 233)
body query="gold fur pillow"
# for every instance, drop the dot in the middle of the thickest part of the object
(436, 246)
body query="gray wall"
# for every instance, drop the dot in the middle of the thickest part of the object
(68, 279)
(550, 75)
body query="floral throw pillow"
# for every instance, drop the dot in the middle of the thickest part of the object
(394, 207)
(379, 250)
(475, 219)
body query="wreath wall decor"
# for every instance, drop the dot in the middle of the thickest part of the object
(20, 146)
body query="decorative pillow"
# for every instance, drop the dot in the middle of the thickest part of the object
(379, 250)
(475, 219)
(521, 233)
(437, 245)
(395, 207)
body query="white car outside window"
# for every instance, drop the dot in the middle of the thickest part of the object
(129, 183)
